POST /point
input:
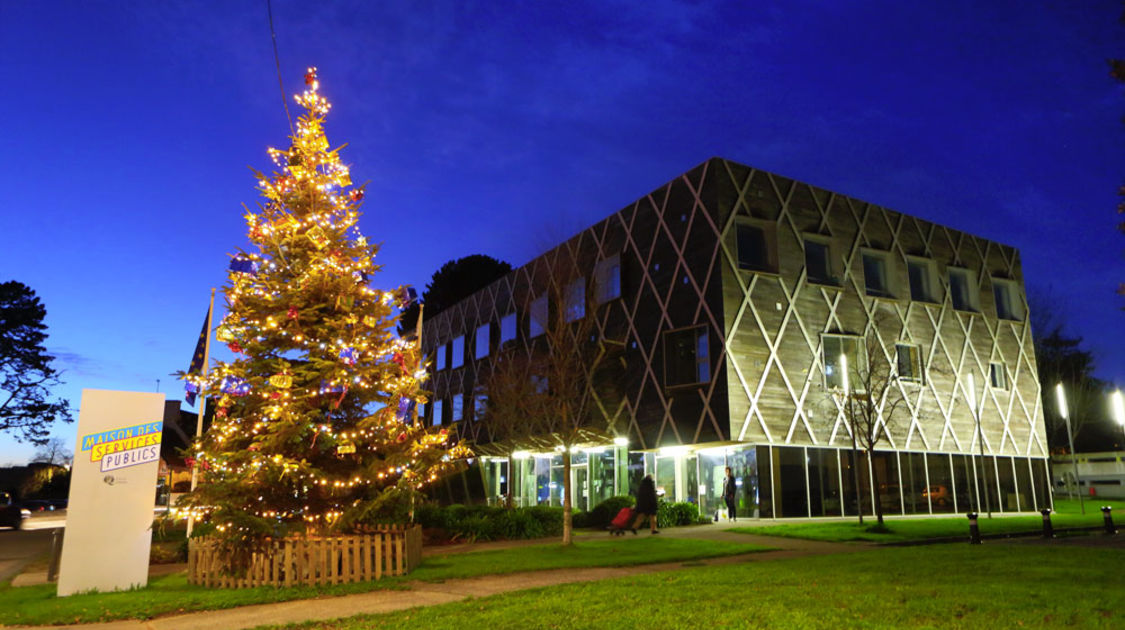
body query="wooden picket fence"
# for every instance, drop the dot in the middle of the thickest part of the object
(392, 550)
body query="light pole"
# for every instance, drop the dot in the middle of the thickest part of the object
(1117, 405)
(980, 441)
(1064, 411)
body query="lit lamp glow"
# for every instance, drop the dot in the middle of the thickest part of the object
(1117, 404)
(980, 439)
(1064, 413)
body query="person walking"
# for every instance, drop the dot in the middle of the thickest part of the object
(646, 504)
(730, 492)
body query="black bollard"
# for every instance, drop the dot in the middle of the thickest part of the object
(1048, 531)
(1109, 528)
(974, 529)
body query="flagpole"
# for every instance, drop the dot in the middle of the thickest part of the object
(421, 356)
(202, 406)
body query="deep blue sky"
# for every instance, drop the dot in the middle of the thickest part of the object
(501, 128)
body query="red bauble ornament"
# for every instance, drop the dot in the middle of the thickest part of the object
(221, 412)
(292, 312)
(310, 76)
(401, 437)
(275, 395)
(234, 347)
(399, 360)
(357, 195)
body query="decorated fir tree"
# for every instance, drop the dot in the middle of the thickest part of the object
(315, 426)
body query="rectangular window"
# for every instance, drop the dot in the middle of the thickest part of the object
(457, 407)
(482, 341)
(508, 328)
(457, 354)
(537, 318)
(818, 266)
(962, 289)
(909, 362)
(440, 362)
(998, 375)
(756, 245)
(922, 285)
(607, 275)
(437, 413)
(687, 357)
(576, 300)
(876, 277)
(480, 406)
(1008, 305)
(539, 383)
(851, 346)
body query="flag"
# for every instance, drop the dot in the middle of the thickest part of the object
(405, 297)
(405, 409)
(197, 359)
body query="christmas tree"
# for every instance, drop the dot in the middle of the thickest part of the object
(315, 428)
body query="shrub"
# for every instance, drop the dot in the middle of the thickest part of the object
(580, 520)
(674, 514)
(604, 512)
(483, 522)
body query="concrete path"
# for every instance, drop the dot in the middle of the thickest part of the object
(430, 593)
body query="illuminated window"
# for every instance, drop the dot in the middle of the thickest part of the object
(687, 359)
(440, 362)
(437, 413)
(852, 347)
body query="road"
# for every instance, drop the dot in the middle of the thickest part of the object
(18, 548)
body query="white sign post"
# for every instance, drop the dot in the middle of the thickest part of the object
(112, 492)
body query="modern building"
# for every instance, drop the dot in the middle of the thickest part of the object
(1100, 475)
(731, 294)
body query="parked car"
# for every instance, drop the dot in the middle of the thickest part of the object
(11, 515)
(938, 495)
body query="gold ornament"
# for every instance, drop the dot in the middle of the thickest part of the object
(281, 381)
(317, 236)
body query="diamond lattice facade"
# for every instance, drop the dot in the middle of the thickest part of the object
(729, 295)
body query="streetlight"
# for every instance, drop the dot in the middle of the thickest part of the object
(980, 441)
(1118, 406)
(1064, 412)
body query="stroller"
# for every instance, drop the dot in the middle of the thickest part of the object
(621, 522)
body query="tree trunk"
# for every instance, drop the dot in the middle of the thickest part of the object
(855, 478)
(875, 487)
(567, 526)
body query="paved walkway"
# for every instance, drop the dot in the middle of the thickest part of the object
(430, 593)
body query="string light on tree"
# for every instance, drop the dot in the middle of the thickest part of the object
(314, 429)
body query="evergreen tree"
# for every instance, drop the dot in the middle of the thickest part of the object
(315, 428)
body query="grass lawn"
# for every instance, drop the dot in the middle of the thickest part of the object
(1068, 514)
(955, 586)
(172, 594)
